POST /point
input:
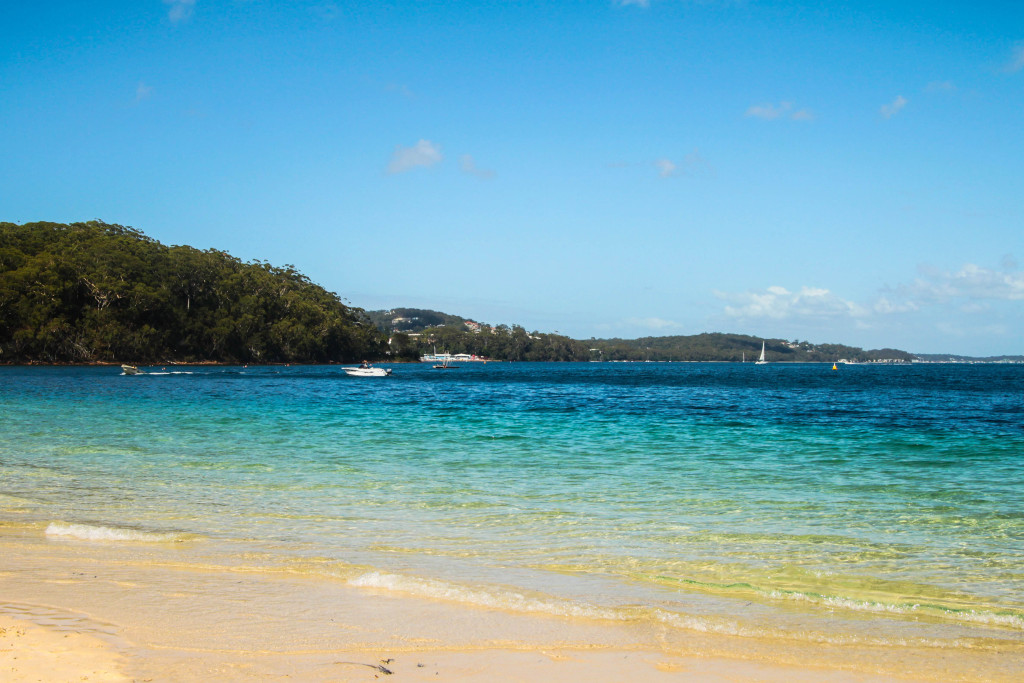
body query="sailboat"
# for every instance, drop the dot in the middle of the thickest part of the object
(761, 360)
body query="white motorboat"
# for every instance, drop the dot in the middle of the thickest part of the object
(368, 371)
(131, 370)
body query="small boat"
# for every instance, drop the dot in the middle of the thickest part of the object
(761, 360)
(367, 371)
(446, 364)
(131, 370)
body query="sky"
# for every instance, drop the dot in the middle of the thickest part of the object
(832, 172)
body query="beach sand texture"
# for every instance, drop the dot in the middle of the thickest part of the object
(103, 612)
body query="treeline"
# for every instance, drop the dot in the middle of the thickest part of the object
(501, 342)
(735, 347)
(93, 292)
(516, 344)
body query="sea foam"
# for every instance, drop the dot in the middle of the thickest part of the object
(514, 601)
(494, 598)
(87, 532)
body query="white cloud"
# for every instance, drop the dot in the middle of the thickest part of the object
(803, 115)
(894, 107)
(469, 166)
(638, 3)
(423, 153)
(1016, 60)
(970, 282)
(142, 91)
(971, 289)
(180, 9)
(937, 304)
(779, 303)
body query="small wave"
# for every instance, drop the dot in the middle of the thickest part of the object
(515, 601)
(497, 599)
(87, 532)
(1003, 618)
(999, 618)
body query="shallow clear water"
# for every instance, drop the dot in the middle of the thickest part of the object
(879, 504)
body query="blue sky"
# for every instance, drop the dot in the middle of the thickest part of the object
(599, 168)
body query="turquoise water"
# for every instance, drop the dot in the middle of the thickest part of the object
(876, 504)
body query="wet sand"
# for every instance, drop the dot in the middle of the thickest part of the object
(77, 611)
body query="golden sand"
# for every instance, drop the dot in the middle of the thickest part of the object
(86, 611)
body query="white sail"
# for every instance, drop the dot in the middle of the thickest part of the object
(761, 360)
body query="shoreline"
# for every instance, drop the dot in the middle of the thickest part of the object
(32, 652)
(120, 611)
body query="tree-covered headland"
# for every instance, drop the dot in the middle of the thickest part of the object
(93, 292)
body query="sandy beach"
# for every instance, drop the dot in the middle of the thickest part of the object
(79, 610)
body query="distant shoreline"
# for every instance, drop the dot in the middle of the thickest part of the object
(210, 363)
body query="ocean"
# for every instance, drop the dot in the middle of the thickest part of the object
(873, 505)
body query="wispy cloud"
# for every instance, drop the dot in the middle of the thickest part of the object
(691, 164)
(967, 289)
(142, 91)
(952, 303)
(401, 89)
(180, 9)
(779, 303)
(665, 168)
(468, 166)
(971, 283)
(652, 323)
(1016, 62)
(423, 153)
(771, 112)
(638, 3)
(940, 86)
(768, 111)
(894, 107)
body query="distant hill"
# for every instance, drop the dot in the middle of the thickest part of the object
(412, 320)
(422, 331)
(736, 347)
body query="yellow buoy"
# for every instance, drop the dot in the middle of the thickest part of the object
(834, 367)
